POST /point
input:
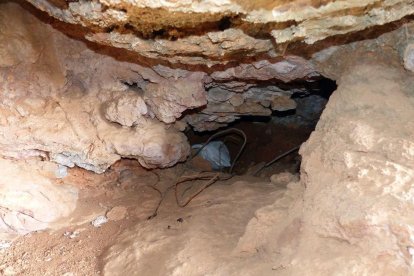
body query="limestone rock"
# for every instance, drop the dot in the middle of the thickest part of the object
(409, 57)
(328, 20)
(219, 95)
(359, 167)
(127, 110)
(14, 49)
(225, 105)
(238, 91)
(191, 50)
(216, 32)
(283, 237)
(55, 106)
(287, 70)
(283, 103)
(30, 199)
(169, 99)
(236, 100)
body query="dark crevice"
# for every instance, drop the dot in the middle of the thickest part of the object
(159, 30)
(225, 23)
(134, 86)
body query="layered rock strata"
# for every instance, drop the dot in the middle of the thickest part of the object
(216, 32)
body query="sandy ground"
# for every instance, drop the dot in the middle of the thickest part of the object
(127, 195)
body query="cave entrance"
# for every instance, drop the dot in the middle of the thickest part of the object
(278, 135)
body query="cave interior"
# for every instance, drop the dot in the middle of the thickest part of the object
(206, 137)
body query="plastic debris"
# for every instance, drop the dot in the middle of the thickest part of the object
(216, 153)
(99, 221)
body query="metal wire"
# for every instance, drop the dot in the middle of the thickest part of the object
(276, 159)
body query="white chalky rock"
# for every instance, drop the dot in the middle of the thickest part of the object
(99, 221)
(409, 57)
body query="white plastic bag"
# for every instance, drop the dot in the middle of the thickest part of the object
(216, 153)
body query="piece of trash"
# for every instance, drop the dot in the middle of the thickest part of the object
(5, 244)
(216, 153)
(71, 235)
(99, 221)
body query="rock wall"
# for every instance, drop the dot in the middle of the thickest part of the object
(68, 102)
(72, 105)
(358, 168)
(351, 212)
(252, 90)
(63, 102)
(353, 216)
(31, 197)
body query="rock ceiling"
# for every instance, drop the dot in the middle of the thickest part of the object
(211, 32)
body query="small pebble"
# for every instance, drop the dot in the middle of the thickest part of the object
(99, 221)
(71, 235)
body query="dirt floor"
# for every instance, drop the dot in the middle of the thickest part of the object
(127, 195)
(74, 245)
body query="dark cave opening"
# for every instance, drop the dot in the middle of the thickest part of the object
(271, 136)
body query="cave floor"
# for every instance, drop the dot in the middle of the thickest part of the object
(127, 195)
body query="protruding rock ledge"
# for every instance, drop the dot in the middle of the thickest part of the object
(217, 32)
